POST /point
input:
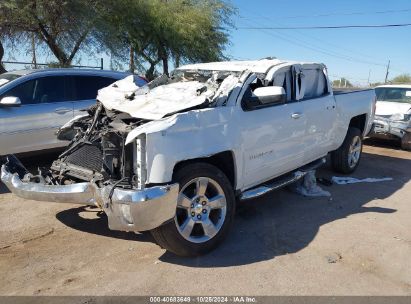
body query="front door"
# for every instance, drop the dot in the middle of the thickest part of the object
(272, 138)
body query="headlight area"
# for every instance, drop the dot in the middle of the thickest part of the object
(397, 125)
(141, 161)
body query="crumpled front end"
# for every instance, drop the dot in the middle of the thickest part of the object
(126, 209)
(393, 126)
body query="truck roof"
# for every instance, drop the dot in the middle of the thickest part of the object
(255, 66)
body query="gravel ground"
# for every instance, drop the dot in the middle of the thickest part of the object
(357, 243)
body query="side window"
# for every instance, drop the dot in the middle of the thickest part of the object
(315, 83)
(87, 86)
(50, 89)
(24, 91)
(261, 94)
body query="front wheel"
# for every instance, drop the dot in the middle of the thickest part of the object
(205, 211)
(347, 158)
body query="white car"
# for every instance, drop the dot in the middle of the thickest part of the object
(173, 156)
(393, 114)
(34, 104)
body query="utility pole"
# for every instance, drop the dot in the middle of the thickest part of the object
(388, 71)
(369, 75)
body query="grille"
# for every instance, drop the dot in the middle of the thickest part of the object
(87, 156)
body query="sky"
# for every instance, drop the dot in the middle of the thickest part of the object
(360, 55)
(352, 53)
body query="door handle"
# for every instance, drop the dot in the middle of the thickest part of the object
(296, 115)
(62, 110)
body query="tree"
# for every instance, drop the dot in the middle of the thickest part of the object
(176, 31)
(63, 26)
(342, 83)
(404, 78)
(143, 33)
(2, 69)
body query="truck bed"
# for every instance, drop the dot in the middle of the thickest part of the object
(340, 91)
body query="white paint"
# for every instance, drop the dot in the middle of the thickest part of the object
(156, 103)
(391, 108)
(264, 143)
(3, 81)
(352, 180)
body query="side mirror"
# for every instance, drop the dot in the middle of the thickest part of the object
(10, 101)
(267, 95)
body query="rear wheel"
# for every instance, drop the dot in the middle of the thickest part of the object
(347, 158)
(204, 214)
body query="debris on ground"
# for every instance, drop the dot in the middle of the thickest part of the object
(308, 186)
(352, 180)
(324, 181)
(334, 258)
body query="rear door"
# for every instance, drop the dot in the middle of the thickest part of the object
(320, 110)
(45, 107)
(85, 90)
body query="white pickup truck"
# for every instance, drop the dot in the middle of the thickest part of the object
(174, 156)
(393, 114)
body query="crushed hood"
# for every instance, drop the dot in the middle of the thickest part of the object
(154, 104)
(388, 108)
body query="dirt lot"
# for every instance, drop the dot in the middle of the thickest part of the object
(358, 243)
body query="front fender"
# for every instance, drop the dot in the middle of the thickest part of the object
(194, 134)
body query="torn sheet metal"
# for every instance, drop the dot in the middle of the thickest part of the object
(352, 180)
(395, 125)
(154, 104)
(172, 97)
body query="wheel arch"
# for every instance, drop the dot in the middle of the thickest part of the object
(225, 161)
(359, 122)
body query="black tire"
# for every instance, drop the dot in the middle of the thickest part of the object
(340, 158)
(168, 235)
(406, 142)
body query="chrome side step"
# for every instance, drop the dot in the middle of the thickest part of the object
(281, 181)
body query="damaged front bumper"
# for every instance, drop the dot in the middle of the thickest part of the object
(126, 209)
(383, 127)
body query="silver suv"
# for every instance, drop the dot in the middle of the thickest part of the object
(34, 104)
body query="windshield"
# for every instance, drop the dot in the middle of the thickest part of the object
(393, 94)
(7, 77)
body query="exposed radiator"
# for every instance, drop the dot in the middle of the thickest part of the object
(87, 156)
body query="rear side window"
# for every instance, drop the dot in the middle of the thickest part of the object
(315, 83)
(50, 89)
(86, 87)
(41, 90)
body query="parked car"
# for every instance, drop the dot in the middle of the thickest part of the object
(173, 156)
(34, 104)
(393, 114)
